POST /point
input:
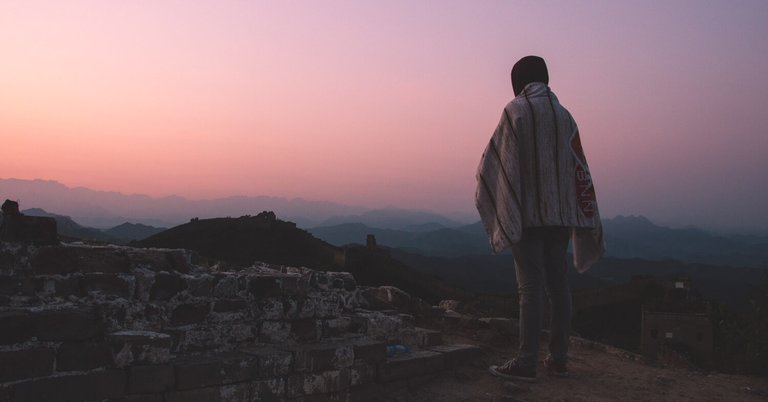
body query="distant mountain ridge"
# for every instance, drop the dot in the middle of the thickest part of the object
(106, 209)
(625, 236)
(69, 228)
(133, 231)
(638, 237)
(418, 231)
(396, 218)
(447, 242)
(124, 233)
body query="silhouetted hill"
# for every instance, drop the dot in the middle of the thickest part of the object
(132, 231)
(245, 240)
(248, 239)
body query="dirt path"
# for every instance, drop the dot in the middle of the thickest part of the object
(596, 375)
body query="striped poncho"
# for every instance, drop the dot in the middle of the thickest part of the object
(533, 173)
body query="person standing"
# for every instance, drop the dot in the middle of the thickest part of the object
(534, 194)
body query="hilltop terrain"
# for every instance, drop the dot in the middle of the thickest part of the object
(598, 373)
(265, 238)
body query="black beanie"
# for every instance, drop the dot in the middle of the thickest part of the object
(527, 70)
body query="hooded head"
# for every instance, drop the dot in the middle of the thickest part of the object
(527, 70)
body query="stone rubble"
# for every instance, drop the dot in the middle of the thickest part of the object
(114, 323)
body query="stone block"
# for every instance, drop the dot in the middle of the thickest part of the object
(268, 390)
(190, 313)
(166, 286)
(336, 327)
(93, 386)
(272, 362)
(200, 285)
(239, 392)
(75, 356)
(225, 368)
(210, 394)
(65, 286)
(272, 309)
(411, 365)
(504, 326)
(17, 326)
(306, 329)
(322, 305)
(362, 373)
(64, 260)
(227, 286)
(160, 259)
(142, 398)
(110, 285)
(323, 382)
(387, 297)
(229, 305)
(370, 351)
(12, 285)
(382, 327)
(293, 285)
(321, 356)
(264, 286)
(319, 280)
(67, 324)
(26, 363)
(358, 325)
(274, 331)
(150, 379)
(140, 347)
(422, 337)
(456, 354)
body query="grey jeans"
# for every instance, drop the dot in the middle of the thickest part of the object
(540, 263)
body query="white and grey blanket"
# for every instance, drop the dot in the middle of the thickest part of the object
(534, 173)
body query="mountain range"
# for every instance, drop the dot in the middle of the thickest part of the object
(104, 209)
(625, 237)
(120, 234)
(420, 232)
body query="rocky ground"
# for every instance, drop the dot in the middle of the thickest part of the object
(598, 373)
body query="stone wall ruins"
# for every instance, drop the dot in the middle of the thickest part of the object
(81, 323)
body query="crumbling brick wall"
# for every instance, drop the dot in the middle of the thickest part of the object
(117, 323)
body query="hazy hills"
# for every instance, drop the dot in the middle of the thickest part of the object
(120, 234)
(446, 242)
(396, 219)
(105, 209)
(417, 231)
(625, 236)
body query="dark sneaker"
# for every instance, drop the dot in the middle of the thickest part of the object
(554, 368)
(512, 370)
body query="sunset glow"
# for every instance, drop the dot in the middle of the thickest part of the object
(385, 103)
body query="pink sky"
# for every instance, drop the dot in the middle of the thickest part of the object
(385, 103)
